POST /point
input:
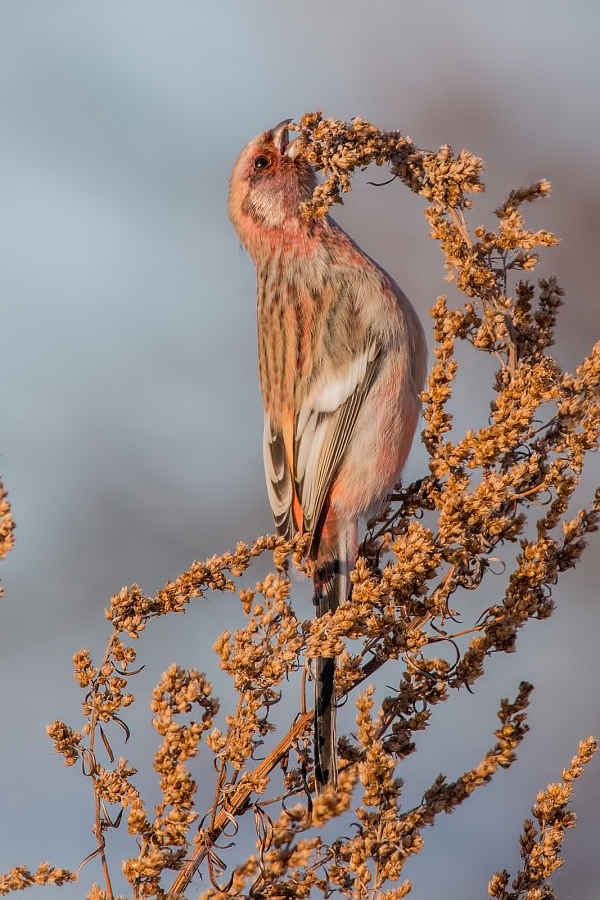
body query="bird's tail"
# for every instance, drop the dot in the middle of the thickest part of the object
(334, 562)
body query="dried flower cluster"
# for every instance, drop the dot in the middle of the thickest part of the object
(163, 842)
(540, 846)
(20, 878)
(7, 526)
(438, 538)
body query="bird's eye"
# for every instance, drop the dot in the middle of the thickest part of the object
(262, 162)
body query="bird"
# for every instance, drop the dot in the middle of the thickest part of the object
(342, 362)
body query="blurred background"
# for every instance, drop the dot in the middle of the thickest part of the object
(131, 419)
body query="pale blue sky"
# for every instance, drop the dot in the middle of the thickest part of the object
(131, 421)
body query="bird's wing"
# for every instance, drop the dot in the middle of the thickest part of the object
(323, 429)
(280, 488)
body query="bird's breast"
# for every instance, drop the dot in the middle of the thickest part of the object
(291, 314)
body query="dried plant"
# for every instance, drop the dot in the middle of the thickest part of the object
(540, 847)
(501, 492)
(7, 526)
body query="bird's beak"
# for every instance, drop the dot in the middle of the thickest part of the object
(294, 147)
(281, 136)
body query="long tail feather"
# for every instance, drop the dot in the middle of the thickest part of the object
(332, 585)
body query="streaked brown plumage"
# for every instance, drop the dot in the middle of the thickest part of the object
(342, 359)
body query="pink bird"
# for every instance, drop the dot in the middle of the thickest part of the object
(342, 360)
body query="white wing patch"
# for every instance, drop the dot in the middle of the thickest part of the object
(329, 393)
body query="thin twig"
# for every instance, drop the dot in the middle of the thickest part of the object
(236, 802)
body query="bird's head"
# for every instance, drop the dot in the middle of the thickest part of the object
(269, 181)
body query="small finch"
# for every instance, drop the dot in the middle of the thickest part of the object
(342, 360)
